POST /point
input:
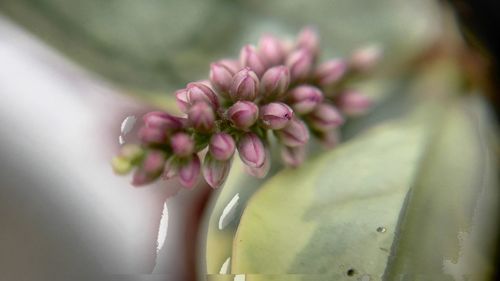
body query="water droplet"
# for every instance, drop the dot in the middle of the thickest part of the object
(225, 266)
(121, 141)
(127, 124)
(228, 212)
(381, 229)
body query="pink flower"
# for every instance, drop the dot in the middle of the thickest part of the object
(243, 114)
(326, 117)
(250, 58)
(305, 98)
(189, 171)
(251, 150)
(300, 63)
(222, 146)
(182, 144)
(275, 82)
(202, 117)
(245, 85)
(294, 134)
(215, 171)
(276, 115)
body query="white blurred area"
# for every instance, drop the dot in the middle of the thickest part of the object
(62, 210)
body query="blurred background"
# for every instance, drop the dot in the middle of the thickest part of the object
(71, 71)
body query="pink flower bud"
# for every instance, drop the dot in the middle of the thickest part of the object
(150, 169)
(364, 59)
(262, 171)
(182, 100)
(221, 77)
(182, 144)
(222, 146)
(275, 82)
(152, 135)
(353, 103)
(202, 117)
(162, 120)
(275, 115)
(271, 50)
(189, 171)
(305, 98)
(201, 92)
(132, 152)
(329, 139)
(233, 65)
(215, 171)
(300, 63)
(293, 156)
(243, 114)
(171, 168)
(325, 118)
(330, 72)
(294, 134)
(154, 162)
(251, 150)
(245, 85)
(140, 178)
(250, 58)
(308, 39)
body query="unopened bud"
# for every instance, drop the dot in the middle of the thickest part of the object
(275, 81)
(189, 171)
(243, 114)
(245, 85)
(330, 72)
(262, 171)
(202, 117)
(162, 120)
(132, 152)
(325, 117)
(293, 156)
(201, 92)
(308, 39)
(233, 65)
(171, 168)
(151, 168)
(182, 144)
(300, 63)
(121, 165)
(182, 100)
(221, 77)
(250, 58)
(353, 103)
(294, 134)
(329, 139)
(215, 171)
(271, 50)
(141, 178)
(305, 98)
(275, 115)
(364, 59)
(251, 150)
(222, 146)
(152, 135)
(154, 162)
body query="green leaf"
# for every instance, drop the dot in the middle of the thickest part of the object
(450, 217)
(402, 199)
(216, 243)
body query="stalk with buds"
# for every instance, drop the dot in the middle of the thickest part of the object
(273, 89)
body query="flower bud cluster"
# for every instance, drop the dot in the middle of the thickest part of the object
(275, 87)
